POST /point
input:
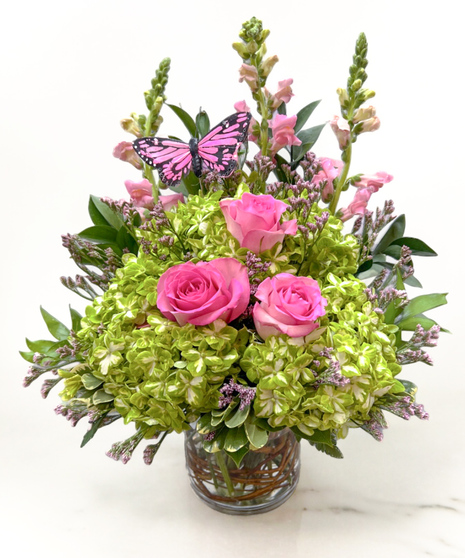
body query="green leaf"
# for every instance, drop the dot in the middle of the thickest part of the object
(238, 456)
(92, 431)
(190, 183)
(95, 215)
(418, 247)
(75, 319)
(322, 440)
(204, 424)
(42, 346)
(90, 381)
(256, 435)
(235, 439)
(413, 282)
(394, 232)
(124, 239)
(212, 446)
(421, 304)
(99, 234)
(304, 114)
(308, 138)
(238, 417)
(282, 108)
(278, 171)
(56, 328)
(102, 396)
(186, 119)
(202, 123)
(410, 387)
(27, 355)
(110, 217)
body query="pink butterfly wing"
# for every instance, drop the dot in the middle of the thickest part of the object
(171, 158)
(218, 148)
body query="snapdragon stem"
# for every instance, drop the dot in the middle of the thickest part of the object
(342, 179)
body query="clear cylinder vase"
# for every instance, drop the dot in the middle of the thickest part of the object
(265, 479)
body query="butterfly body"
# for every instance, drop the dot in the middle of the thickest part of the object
(216, 151)
(196, 160)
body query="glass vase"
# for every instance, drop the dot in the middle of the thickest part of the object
(265, 479)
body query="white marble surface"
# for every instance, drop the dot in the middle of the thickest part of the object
(69, 72)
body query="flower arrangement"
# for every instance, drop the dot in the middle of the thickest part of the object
(240, 302)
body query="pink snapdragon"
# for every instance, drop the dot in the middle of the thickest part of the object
(282, 127)
(125, 152)
(241, 106)
(283, 95)
(374, 181)
(250, 75)
(140, 192)
(142, 195)
(330, 169)
(341, 130)
(366, 186)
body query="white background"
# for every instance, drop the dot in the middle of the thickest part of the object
(69, 72)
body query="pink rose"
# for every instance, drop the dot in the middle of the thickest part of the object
(254, 221)
(283, 131)
(140, 192)
(125, 152)
(201, 293)
(330, 169)
(170, 201)
(289, 304)
(341, 131)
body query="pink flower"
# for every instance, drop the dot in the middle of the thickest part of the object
(241, 106)
(284, 92)
(201, 293)
(170, 201)
(358, 205)
(289, 305)
(254, 221)
(283, 131)
(367, 185)
(364, 113)
(342, 132)
(374, 181)
(371, 124)
(283, 95)
(140, 192)
(125, 152)
(330, 169)
(250, 75)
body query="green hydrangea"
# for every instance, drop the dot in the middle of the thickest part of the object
(294, 387)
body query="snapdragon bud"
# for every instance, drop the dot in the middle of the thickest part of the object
(129, 125)
(343, 96)
(364, 113)
(356, 85)
(267, 65)
(241, 49)
(366, 94)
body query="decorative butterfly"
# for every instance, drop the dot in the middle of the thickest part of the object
(216, 151)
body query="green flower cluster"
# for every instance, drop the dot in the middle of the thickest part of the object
(155, 373)
(337, 376)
